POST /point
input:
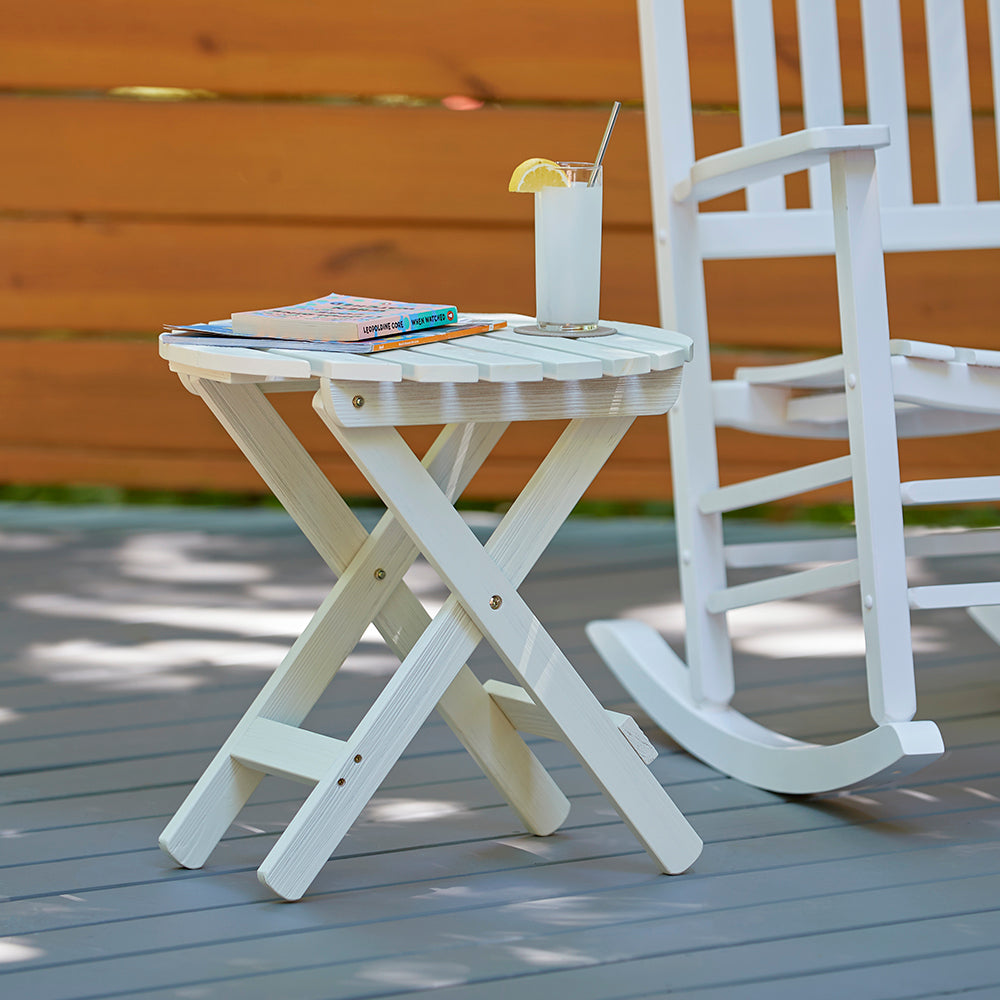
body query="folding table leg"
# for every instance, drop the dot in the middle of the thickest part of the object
(367, 756)
(400, 710)
(485, 582)
(311, 663)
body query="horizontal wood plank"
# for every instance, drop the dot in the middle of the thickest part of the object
(298, 46)
(105, 412)
(257, 160)
(95, 275)
(432, 49)
(308, 161)
(91, 275)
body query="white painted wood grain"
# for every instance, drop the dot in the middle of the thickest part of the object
(757, 79)
(292, 690)
(822, 95)
(527, 717)
(614, 360)
(288, 751)
(408, 403)
(510, 627)
(556, 364)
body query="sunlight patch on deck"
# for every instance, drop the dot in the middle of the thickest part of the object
(248, 621)
(404, 810)
(416, 974)
(784, 629)
(12, 950)
(178, 557)
(167, 664)
(21, 541)
(555, 957)
(236, 620)
(8, 715)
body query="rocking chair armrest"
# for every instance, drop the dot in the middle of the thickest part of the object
(734, 169)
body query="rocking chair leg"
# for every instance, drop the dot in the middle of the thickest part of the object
(872, 432)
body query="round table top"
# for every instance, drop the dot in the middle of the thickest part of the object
(503, 355)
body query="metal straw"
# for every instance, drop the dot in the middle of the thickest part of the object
(602, 149)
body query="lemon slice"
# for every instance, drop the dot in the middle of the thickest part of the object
(535, 174)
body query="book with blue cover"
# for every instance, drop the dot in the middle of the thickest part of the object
(337, 317)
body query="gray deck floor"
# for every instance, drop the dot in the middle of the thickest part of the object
(133, 639)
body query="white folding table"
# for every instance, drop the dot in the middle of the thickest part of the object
(474, 386)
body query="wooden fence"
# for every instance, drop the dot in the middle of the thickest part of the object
(175, 162)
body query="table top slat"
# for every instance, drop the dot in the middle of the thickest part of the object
(616, 361)
(356, 367)
(494, 365)
(562, 366)
(419, 367)
(236, 360)
(661, 356)
(657, 335)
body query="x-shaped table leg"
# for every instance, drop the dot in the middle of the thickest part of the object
(371, 569)
(484, 603)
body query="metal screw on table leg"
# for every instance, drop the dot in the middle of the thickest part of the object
(358, 402)
(495, 601)
(341, 781)
(357, 758)
(379, 574)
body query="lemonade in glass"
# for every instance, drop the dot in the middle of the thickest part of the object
(568, 201)
(568, 252)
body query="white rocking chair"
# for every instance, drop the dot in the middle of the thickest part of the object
(875, 390)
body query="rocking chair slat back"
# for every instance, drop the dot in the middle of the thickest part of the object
(956, 219)
(822, 95)
(994, 32)
(948, 61)
(885, 83)
(757, 78)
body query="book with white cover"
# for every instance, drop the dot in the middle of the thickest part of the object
(337, 317)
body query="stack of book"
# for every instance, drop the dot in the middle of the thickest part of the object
(335, 323)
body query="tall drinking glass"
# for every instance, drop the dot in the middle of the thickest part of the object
(568, 255)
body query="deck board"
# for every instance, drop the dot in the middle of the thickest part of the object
(106, 718)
